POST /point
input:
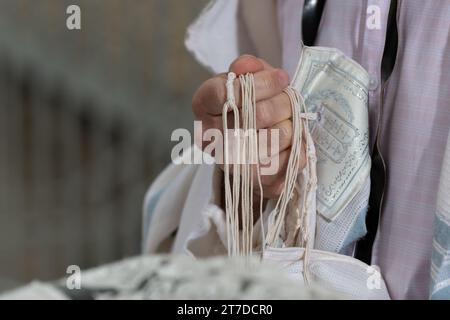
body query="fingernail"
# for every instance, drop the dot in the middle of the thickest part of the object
(283, 76)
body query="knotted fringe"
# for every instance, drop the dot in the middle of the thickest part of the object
(239, 191)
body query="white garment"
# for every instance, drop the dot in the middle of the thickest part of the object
(200, 229)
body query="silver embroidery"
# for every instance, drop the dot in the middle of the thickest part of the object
(336, 88)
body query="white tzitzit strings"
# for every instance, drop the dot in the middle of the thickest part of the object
(244, 158)
(244, 151)
(277, 217)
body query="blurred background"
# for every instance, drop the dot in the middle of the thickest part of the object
(85, 123)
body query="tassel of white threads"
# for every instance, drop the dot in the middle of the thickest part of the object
(244, 160)
(278, 215)
(231, 195)
(291, 190)
(245, 154)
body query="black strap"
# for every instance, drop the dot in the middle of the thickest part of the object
(378, 171)
(364, 246)
(391, 43)
(312, 14)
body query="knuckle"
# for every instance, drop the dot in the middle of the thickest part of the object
(286, 131)
(210, 94)
(269, 82)
(274, 140)
(263, 114)
(276, 82)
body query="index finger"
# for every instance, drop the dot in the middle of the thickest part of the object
(268, 83)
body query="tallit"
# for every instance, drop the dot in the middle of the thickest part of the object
(330, 90)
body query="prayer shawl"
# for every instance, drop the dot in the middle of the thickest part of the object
(181, 212)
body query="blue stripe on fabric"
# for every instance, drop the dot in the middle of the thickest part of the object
(442, 294)
(441, 232)
(148, 213)
(358, 230)
(441, 260)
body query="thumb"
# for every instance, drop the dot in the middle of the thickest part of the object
(248, 64)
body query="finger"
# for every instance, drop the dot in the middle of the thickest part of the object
(247, 64)
(266, 65)
(271, 141)
(204, 130)
(274, 140)
(268, 113)
(269, 147)
(215, 123)
(269, 83)
(273, 184)
(272, 111)
(212, 94)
